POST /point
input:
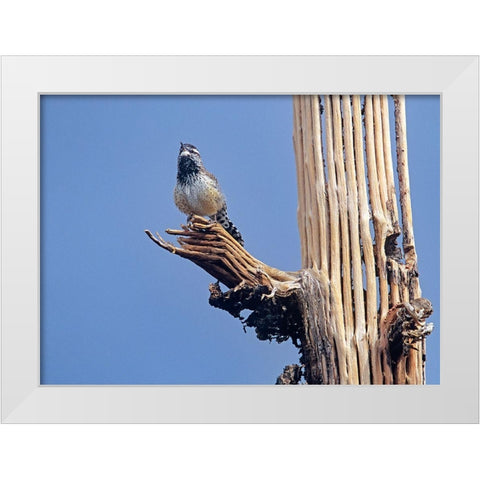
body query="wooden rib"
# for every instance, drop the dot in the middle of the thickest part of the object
(392, 208)
(335, 260)
(387, 153)
(379, 221)
(313, 212)
(320, 197)
(353, 216)
(380, 161)
(404, 184)
(388, 200)
(298, 147)
(217, 254)
(414, 361)
(345, 241)
(367, 243)
(307, 153)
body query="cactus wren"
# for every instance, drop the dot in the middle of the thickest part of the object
(197, 191)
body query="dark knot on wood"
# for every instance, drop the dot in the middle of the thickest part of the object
(405, 325)
(291, 375)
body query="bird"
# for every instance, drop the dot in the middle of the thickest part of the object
(197, 191)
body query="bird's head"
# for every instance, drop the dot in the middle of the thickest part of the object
(187, 150)
(189, 160)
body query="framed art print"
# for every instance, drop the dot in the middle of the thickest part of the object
(99, 325)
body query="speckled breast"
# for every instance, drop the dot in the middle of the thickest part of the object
(201, 197)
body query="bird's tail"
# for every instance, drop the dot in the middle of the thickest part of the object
(222, 218)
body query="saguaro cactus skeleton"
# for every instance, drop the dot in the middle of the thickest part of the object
(354, 309)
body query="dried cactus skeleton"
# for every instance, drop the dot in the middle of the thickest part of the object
(355, 309)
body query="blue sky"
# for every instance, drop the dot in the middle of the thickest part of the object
(115, 308)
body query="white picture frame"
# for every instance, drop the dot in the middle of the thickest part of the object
(25, 78)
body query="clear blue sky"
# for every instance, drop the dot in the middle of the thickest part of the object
(115, 308)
